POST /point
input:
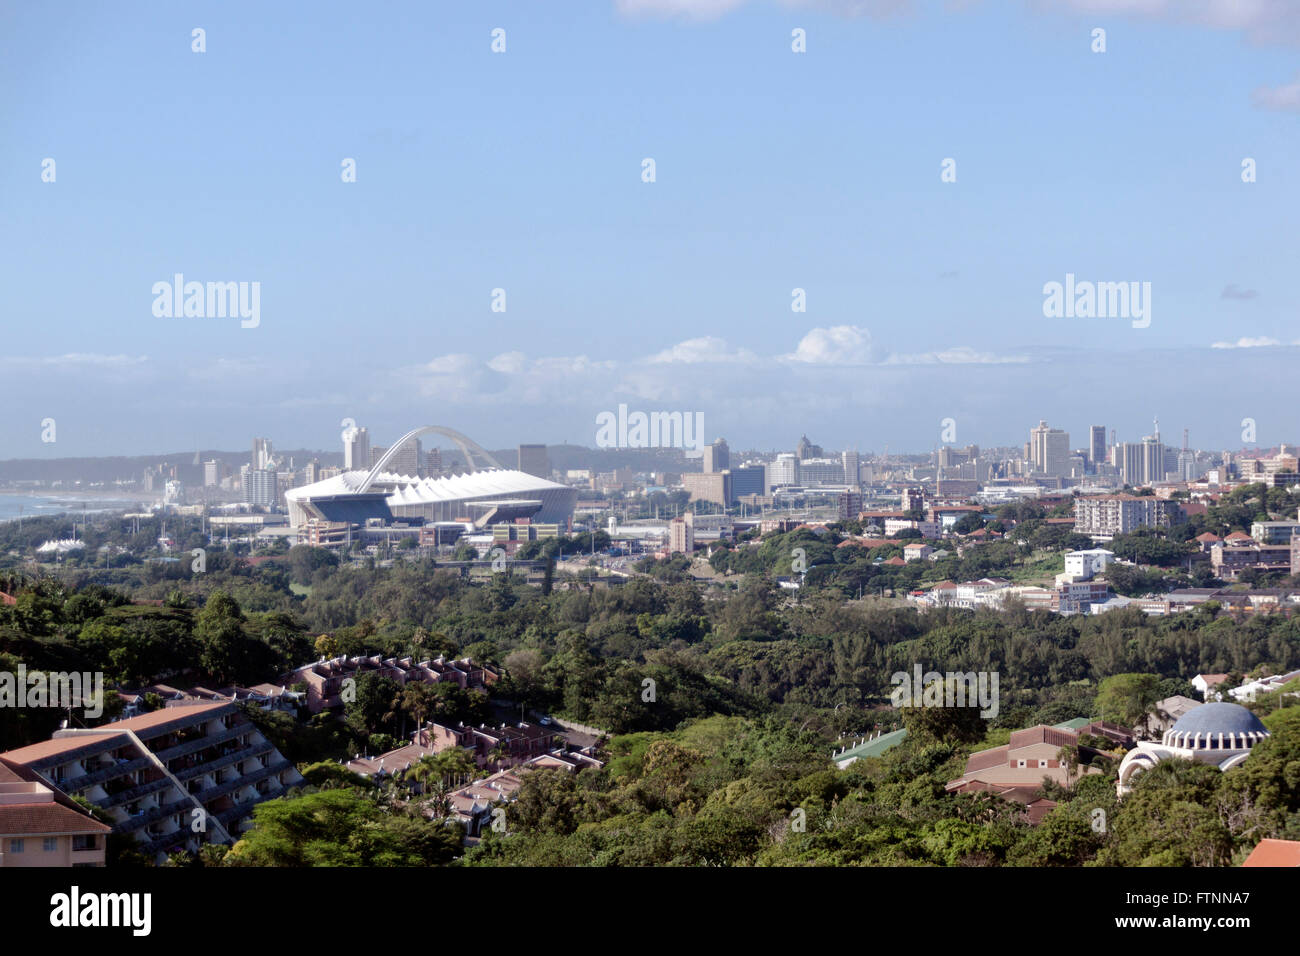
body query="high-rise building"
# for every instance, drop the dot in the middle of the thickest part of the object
(262, 455)
(709, 486)
(433, 463)
(356, 449)
(260, 487)
(681, 534)
(806, 449)
(747, 480)
(1130, 462)
(1109, 515)
(408, 459)
(533, 460)
(717, 457)
(212, 473)
(852, 468)
(850, 505)
(783, 472)
(1096, 444)
(1049, 450)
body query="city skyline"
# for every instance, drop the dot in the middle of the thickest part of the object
(818, 179)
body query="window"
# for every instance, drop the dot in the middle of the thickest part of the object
(1042, 763)
(1020, 764)
(84, 841)
(50, 844)
(15, 846)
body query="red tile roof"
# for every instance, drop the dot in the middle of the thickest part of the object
(41, 818)
(1274, 853)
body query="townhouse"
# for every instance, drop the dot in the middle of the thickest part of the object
(325, 680)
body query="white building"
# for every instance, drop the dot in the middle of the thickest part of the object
(1085, 565)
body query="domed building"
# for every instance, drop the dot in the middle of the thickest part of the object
(1218, 734)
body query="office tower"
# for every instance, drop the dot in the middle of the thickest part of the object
(748, 480)
(1096, 445)
(356, 449)
(852, 468)
(717, 457)
(260, 486)
(709, 486)
(533, 460)
(433, 463)
(211, 473)
(850, 505)
(261, 452)
(311, 472)
(806, 449)
(1049, 450)
(1130, 462)
(408, 459)
(783, 472)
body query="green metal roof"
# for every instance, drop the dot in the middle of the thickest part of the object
(873, 748)
(1078, 723)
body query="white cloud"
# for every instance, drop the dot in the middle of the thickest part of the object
(708, 348)
(692, 9)
(1259, 342)
(837, 345)
(1284, 98)
(508, 363)
(960, 355)
(75, 361)
(714, 9)
(1262, 21)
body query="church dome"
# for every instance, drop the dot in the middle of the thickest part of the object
(1218, 726)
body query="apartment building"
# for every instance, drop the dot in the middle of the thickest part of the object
(681, 535)
(173, 779)
(41, 826)
(1105, 516)
(1231, 557)
(1274, 532)
(325, 680)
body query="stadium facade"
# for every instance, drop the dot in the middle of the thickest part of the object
(482, 496)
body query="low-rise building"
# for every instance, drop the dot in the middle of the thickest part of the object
(326, 679)
(41, 827)
(172, 779)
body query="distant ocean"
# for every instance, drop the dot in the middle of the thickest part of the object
(36, 506)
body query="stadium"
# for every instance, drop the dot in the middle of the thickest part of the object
(484, 495)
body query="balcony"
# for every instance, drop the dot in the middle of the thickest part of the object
(201, 743)
(157, 813)
(225, 760)
(107, 773)
(135, 793)
(230, 786)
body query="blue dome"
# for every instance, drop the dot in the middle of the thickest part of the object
(1219, 718)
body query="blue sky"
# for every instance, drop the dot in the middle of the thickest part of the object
(522, 171)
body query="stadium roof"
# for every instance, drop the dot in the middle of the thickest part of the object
(407, 490)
